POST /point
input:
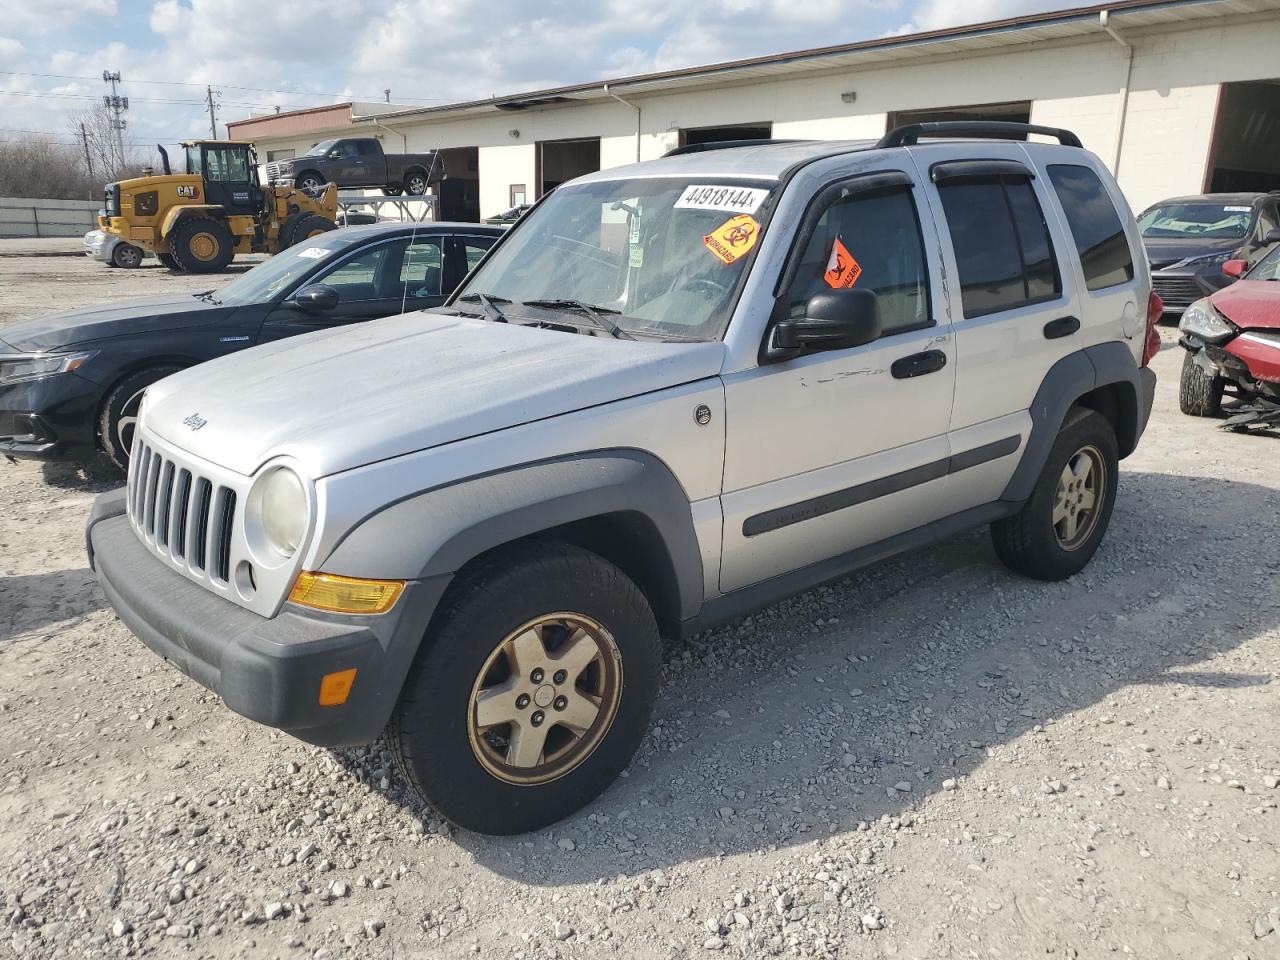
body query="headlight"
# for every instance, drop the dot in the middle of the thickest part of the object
(35, 366)
(1205, 322)
(278, 509)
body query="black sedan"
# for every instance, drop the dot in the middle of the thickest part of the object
(70, 383)
(1188, 239)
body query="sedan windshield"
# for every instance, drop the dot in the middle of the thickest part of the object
(265, 281)
(661, 257)
(1181, 221)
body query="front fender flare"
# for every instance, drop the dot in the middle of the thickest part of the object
(438, 531)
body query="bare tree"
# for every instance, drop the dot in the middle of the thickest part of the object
(39, 167)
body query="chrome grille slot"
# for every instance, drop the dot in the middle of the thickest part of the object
(200, 530)
(183, 498)
(220, 531)
(149, 501)
(163, 504)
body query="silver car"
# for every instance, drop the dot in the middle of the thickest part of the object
(672, 393)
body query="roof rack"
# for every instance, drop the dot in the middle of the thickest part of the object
(910, 134)
(721, 145)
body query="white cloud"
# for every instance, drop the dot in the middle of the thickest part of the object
(21, 16)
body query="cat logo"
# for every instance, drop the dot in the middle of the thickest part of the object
(189, 192)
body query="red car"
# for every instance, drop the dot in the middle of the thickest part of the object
(1232, 339)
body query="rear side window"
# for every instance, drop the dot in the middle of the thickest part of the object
(1095, 226)
(1003, 251)
(868, 241)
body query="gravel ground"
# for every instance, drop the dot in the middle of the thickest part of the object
(931, 759)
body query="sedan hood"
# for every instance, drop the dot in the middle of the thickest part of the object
(1251, 304)
(347, 397)
(59, 331)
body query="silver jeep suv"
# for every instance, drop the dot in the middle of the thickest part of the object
(673, 392)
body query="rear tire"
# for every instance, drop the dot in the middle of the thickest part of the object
(201, 245)
(540, 601)
(1059, 528)
(309, 225)
(415, 183)
(168, 261)
(126, 255)
(1199, 394)
(119, 413)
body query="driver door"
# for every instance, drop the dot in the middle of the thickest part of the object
(833, 450)
(231, 180)
(369, 286)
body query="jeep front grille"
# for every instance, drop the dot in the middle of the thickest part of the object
(180, 514)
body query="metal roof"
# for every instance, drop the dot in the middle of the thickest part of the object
(1067, 24)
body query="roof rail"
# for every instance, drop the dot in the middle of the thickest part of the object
(721, 145)
(910, 134)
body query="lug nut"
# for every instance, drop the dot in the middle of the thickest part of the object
(561, 703)
(560, 677)
(537, 718)
(522, 701)
(537, 675)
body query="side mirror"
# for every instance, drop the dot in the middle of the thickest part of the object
(1272, 236)
(335, 154)
(316, 298)
(1234, 268)
(833, 320)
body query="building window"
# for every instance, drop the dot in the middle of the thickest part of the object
(518, 194)
(279, 155)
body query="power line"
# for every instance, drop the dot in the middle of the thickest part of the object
(229, 86)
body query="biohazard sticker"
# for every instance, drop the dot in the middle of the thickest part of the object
(709, 197)
(842, 270)
(733, 239)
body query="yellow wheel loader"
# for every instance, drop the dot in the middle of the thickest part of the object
(196, 222)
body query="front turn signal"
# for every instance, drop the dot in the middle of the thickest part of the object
(335, 594)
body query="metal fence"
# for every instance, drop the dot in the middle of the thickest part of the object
(31, 217)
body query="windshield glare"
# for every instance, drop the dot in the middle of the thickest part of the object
(1180, 221)
(666, 254)
(265, 281)
(320, 149)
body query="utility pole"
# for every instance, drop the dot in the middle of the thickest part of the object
(213, 116)
(84, 136)
(117, 105)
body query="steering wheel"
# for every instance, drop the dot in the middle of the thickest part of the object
(714, 287)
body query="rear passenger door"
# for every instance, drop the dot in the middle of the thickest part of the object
(1013, 307)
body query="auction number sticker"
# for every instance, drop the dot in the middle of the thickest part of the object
(732, 199)
(314, 253)
(733, 239)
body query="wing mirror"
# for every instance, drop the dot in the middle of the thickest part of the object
(316, 298)
(833, 320)
(1272, 236)
(1234, 268)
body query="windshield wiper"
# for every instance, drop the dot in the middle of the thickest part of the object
(491, 311)
(208, 297)
(596, 314)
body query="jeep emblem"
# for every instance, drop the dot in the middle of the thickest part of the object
(195, 422)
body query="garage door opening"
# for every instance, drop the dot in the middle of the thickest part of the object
(560, 161)
(1013, 112)
(750, 131)
(460, 191)
(1246, 139)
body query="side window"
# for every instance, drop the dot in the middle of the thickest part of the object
(226, 166)
(345, 149)
(1002, 246)
(367, 148)
(868, 241)
(422, 269)
(1095, 226)
(364, 276)
(475, 248)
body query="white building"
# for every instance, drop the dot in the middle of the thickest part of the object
(1178, 96)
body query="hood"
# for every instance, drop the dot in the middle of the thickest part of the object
(1162, 252)
(347, 397)
(1251, 304)
(58, 331)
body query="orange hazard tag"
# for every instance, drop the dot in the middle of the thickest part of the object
(734, 238)
(842, 270)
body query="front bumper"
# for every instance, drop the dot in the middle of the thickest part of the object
(98, 244)
(51, 418)
(266, 669)
(1179, 287)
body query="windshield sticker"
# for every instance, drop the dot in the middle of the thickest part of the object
(314, 253)
(733, 239)
(842, 270)
(733, 199)
(636, 258)
(1238, 209)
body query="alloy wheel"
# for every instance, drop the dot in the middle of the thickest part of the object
(1078, 500)
(128, 422)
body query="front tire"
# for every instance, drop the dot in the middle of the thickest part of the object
(119, 414)
(1059, 528)
(393, 191)
(1199, 394)
(532, 694)
(201, 245)
(309, 182)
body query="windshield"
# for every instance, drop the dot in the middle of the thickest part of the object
(665, 255)
(265, 281)
(1268, 268)
(320, 149)
(194, 164)
(1181, 221)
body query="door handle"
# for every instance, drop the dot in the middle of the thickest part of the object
(1062, 327)
(918, 364)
